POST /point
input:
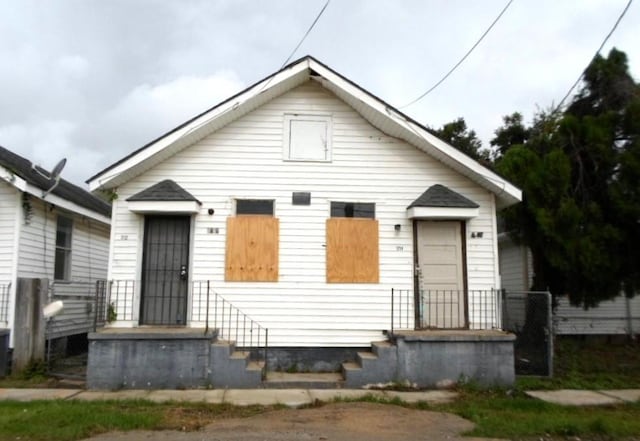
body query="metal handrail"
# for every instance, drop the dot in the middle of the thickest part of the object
(230, 322)
(446, 309)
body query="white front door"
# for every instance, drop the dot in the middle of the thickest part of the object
(440, 277)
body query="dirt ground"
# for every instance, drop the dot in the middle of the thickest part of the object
(333, 422)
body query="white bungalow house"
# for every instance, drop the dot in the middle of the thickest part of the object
(309, 207)
(49, 229)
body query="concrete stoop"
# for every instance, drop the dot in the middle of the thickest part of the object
(312, 380)
(377, 366)
(231, 368)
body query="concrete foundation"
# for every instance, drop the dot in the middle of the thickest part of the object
(429, 359)
(189, 358)
(135, 359)
(432, 358)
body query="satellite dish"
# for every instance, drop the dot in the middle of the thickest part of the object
(55, 173)
(52, 309)
(53, 176)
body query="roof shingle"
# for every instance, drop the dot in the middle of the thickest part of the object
(441, 196)
(23, 168)
(166, 190)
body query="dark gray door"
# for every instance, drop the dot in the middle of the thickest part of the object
(164, 270)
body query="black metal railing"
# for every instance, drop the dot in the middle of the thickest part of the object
(207, 307)
(5, 288)
(119, 300)
(231, 323)
(446, 309)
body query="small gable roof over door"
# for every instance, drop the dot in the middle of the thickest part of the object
(164, 197)
(440, 202)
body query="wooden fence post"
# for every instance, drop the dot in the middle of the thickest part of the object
(30, 325)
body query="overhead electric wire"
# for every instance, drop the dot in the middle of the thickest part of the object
(462, 59)
(622, 14)
(298, 45)
(306, 34)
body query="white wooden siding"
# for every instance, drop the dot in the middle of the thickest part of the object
(9, 229)
(617, 316)
(245, 160)
(89, 257)
(516, 265)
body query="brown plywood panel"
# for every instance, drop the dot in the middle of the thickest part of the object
(352, 250)
(252, 249)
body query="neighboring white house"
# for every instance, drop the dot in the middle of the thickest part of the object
(57, 232)
(620, 315)
(303, 201)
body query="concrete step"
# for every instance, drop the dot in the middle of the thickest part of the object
(239, 355)
(284, 380)
(350, 366)
(255, 365)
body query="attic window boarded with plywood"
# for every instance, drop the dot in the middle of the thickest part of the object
(252, 249)
(352, 250)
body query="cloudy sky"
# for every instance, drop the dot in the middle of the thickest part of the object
(93, 80)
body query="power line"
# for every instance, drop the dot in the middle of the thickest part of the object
(306, 34)
(622, 14)
(462, 59)
(299, 44)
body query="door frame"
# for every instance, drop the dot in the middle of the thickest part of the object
(416, 267)
(142, 260)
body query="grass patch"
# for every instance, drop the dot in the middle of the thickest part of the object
(590, 364)
(72, 420)
(511, 415)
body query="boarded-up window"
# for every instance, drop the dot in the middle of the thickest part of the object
(352, 250)
(252, 249)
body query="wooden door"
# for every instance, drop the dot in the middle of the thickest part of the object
(442, 300)
(165, 270)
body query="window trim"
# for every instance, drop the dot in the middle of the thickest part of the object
(68, 251)
(273, 207)
(346, 203)
(317, 117)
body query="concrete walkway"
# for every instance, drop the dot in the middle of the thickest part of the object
(573, 397)
(301, 397)
(238, 397)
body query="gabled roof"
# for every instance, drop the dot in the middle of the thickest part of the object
(166, 190)
(441, 196)
(377, 112)
(23, 168)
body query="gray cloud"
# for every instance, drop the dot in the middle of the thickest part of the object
(94, 80)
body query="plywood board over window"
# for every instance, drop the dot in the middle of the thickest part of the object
(252, 249)
(352, 250)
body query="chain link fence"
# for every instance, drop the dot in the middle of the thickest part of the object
(528, 314)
